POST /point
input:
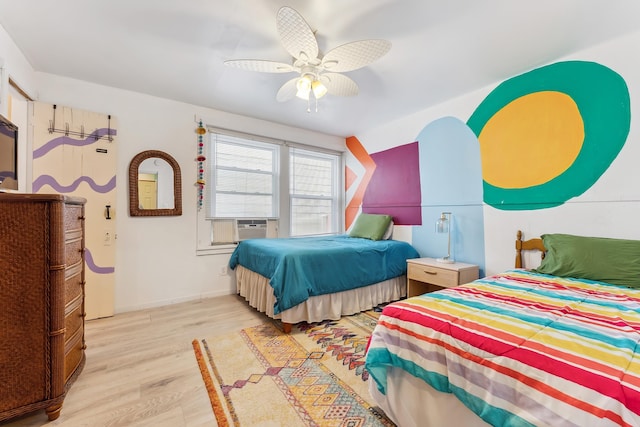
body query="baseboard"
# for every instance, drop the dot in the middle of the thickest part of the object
(162, 303)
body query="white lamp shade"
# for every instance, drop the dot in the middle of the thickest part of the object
(304, 87)
(443, 225)
(319, 90)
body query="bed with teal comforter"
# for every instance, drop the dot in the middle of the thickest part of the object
(299, 268)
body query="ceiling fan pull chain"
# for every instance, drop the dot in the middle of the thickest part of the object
(308, 105)
(316, 103)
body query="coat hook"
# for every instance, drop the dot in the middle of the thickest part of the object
(109, 128)
(96, 135)
(52, 123)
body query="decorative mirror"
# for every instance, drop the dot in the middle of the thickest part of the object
(155, 185)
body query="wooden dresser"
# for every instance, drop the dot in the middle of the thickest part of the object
(41, 299)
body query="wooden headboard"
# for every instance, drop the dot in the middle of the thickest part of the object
(527, 245)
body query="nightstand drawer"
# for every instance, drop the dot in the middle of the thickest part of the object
(434, 275)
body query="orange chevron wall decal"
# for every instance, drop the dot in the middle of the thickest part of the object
(359, 152)
(349, 177)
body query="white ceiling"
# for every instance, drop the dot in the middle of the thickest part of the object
(175, 48)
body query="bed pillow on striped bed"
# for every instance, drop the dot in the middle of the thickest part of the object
(602, 259)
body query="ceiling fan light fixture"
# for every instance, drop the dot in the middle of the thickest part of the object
(319, 89)
(304, 87)
(301, 43)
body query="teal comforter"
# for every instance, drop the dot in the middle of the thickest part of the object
(298, 268)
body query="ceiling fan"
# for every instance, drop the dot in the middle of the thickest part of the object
(317, 74)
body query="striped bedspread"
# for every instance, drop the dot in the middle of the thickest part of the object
(521, 349)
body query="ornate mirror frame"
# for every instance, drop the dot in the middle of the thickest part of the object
(134, 203)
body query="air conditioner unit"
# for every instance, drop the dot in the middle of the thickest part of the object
(251, 229)
(232, 230)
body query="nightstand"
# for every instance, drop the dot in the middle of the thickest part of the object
(428, 275)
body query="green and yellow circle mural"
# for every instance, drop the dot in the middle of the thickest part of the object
(548, 135)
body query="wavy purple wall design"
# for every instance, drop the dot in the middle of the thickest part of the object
(65, 140)
(43, 180)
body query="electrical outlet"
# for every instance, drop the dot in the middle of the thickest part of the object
(224, 271)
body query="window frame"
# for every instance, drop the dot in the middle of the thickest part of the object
(275, 173)
(335, 185)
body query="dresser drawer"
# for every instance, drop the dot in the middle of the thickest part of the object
(73, 282)
(434, 275)
(73, 353)
(73, 251)
(73, 319)
(73, 218)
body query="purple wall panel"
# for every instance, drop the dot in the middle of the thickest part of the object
(394, 188)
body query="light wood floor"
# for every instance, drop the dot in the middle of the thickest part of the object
(141, 369)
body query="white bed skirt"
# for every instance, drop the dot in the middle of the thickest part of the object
(411, 402)
(257, 291)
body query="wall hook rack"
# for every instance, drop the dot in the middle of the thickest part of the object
(81, 134)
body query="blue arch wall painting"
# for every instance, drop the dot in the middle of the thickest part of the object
(451, 181)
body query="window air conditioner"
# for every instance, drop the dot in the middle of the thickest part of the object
(251, 229)
(232, 230)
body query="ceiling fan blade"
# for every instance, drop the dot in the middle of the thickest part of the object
(287, 90)
(354, 55)
(260, 65)
(339, 84)
(296, 35)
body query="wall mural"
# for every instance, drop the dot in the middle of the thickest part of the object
(368, 166)
(536, 141)
(390, 183)
(548, 135)
(451, 177)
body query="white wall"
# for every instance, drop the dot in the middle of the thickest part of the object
(610, 208)
(16, 66)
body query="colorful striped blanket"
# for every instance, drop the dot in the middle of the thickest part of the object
(521, 349)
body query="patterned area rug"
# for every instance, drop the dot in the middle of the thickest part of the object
(314, 376)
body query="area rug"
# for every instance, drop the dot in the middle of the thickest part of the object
(314, 376)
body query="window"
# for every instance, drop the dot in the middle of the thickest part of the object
(248, 177)
(244, 178)
(313, 192)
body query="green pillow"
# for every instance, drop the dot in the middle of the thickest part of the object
(615, 261)
(370, 226)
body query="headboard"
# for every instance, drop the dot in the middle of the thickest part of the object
(527, 245)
